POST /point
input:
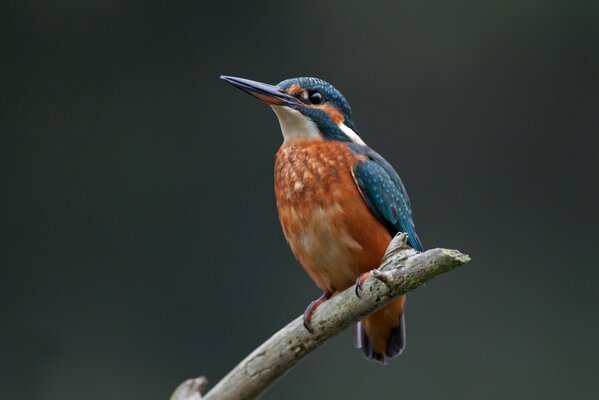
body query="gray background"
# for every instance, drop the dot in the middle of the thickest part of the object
(140, 242)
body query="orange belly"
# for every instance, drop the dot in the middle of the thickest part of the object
(329, 227)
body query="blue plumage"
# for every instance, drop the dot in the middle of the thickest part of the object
(330, 131)
(385, 194)
(330, 93)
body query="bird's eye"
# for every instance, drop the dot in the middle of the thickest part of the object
(315, 98)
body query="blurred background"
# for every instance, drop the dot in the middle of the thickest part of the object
(140, 242)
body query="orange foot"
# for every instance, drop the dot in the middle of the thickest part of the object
(312, 307)
(360, 282)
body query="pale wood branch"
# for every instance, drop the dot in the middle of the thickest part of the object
(402, 270)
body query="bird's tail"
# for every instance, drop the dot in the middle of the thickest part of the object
(382, 334)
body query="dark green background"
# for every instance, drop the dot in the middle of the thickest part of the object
(140, 242)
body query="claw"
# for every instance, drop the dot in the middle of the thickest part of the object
(360, 282)
(308, 317)
(311, 308)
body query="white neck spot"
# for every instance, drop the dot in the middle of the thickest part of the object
(295, 125)
(351, 134)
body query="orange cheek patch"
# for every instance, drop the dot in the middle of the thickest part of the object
(333, 113)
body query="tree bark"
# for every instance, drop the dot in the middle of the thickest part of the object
(402, 270)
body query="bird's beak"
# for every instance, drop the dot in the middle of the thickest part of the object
(269, 94)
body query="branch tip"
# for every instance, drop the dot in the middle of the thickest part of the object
(191, 389)
(456, 255)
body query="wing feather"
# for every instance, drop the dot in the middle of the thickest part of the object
(386, 196)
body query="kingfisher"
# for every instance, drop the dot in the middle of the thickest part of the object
(339, 202)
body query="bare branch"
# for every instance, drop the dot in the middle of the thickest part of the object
(403, 269)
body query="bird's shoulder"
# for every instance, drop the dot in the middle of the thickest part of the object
(384, 192)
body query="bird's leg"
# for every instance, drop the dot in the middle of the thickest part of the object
(360, 281)
(312, 307)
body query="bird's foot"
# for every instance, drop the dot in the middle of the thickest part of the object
(360, 281)
(312, 307)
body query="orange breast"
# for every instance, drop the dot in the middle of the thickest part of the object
(329, 227)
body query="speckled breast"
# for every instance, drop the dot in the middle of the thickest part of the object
(329, 227)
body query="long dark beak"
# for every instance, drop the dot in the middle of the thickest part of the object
(269, 94)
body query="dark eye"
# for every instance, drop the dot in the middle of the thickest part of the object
(315, 98)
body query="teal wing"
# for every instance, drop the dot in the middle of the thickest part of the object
(385, 195)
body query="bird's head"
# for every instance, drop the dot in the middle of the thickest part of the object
(307, 108)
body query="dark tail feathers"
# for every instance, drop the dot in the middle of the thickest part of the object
(395, 344)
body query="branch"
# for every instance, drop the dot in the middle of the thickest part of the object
(402, 270)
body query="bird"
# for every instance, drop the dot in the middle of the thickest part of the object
(339, 202)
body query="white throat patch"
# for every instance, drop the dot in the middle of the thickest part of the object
(294, 125)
